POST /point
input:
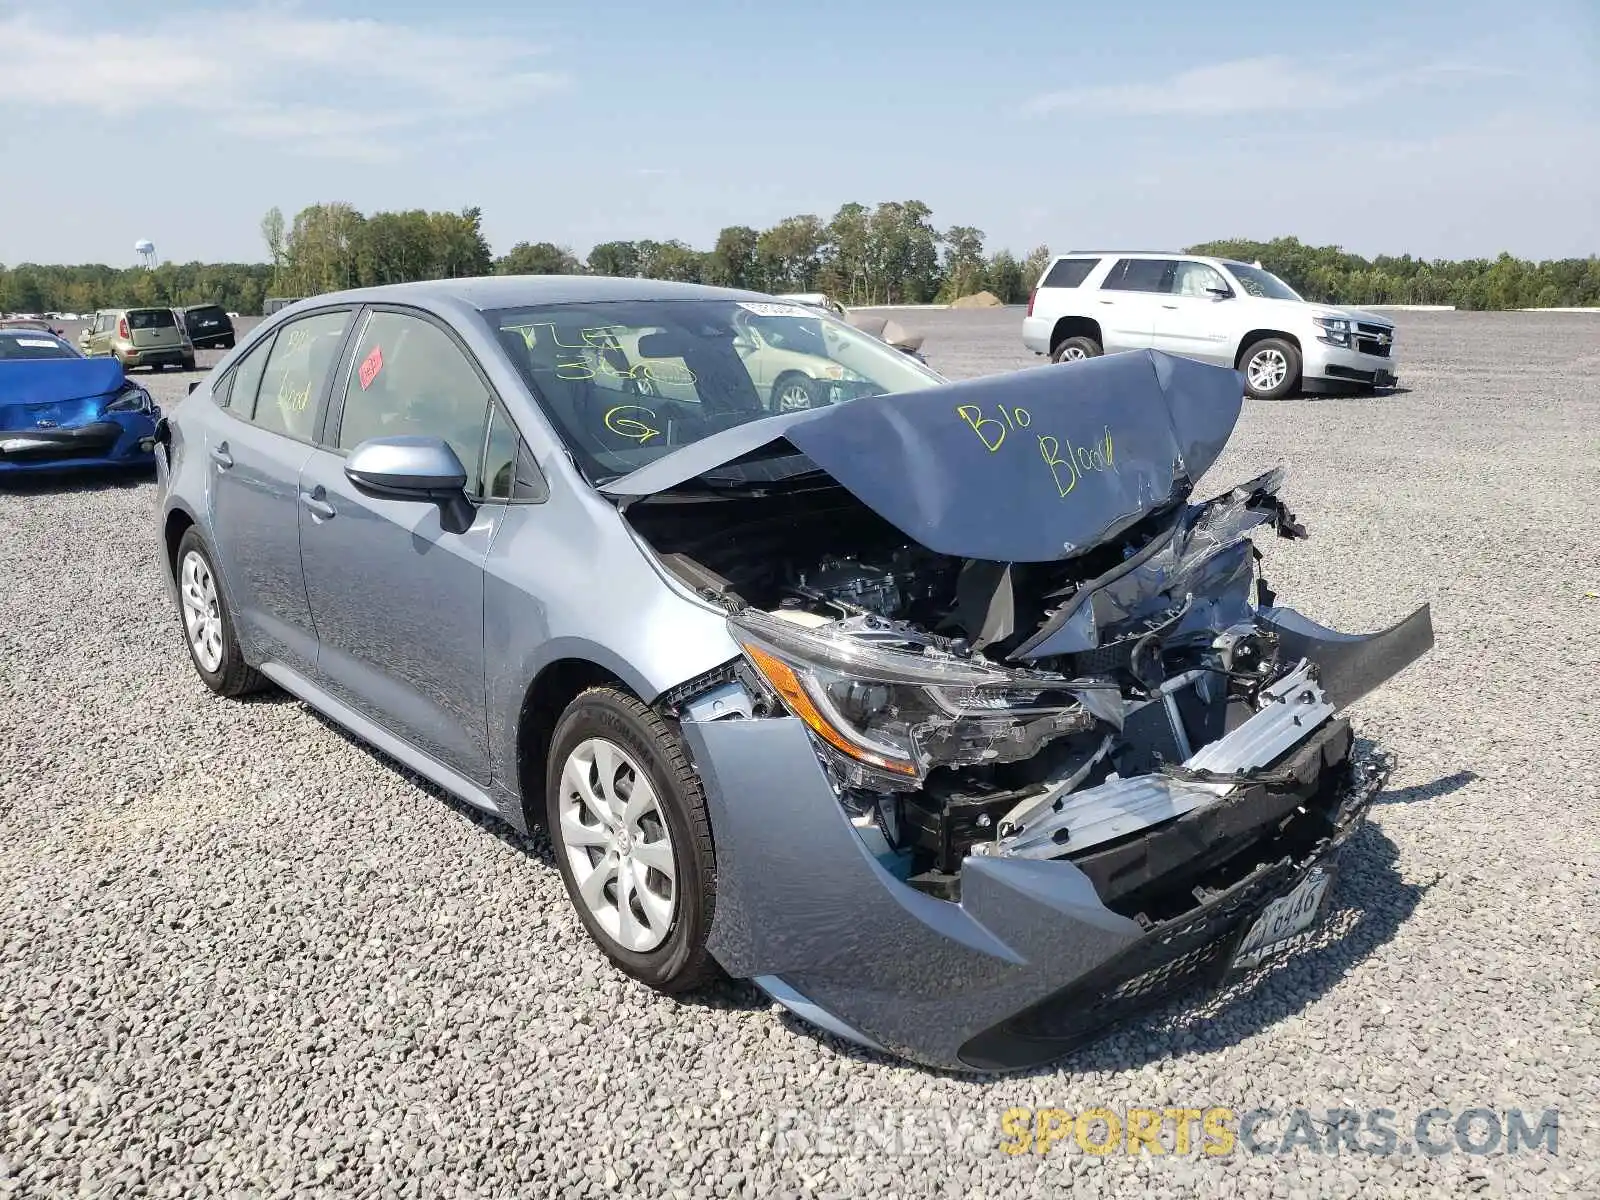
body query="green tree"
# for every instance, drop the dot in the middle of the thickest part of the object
(963, 262)
(1034, 265)
(902, 253)
(1004, 276)
(790, 254)
(732, 261)
(844, 271)
(538, 258)
(614, 258)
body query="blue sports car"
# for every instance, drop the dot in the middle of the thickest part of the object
(59, 409)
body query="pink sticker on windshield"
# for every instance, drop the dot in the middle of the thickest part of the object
(370, 366)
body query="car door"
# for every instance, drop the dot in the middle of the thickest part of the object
(396, 595)
(273, 401)
(1195, 317)
(1126, 303)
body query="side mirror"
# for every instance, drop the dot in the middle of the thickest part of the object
(407, 468)
(414, 468)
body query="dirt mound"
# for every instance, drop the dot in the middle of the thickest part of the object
(979, 300)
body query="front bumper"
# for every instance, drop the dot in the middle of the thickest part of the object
(117, 439)
(1031, 962)
(1329, 368)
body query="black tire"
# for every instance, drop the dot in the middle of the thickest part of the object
(227, 343)
(188, 364)
(232, 676)
(681, 962)
(796, 382)
(1290, 358)
(1074, 349)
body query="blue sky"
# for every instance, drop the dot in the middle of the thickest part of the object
(1441, 129)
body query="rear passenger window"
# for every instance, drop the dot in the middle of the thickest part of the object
(1140, 275)
(1069, 272)
(297, 366)
(238, 394)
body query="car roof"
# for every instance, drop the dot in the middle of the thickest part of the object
(1135, 254)
(517, 291)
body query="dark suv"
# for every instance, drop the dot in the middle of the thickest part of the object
(208, 325)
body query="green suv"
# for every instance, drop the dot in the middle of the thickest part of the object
(138, 337)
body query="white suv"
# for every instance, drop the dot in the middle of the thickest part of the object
(1219, 311)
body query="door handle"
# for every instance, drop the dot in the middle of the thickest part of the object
(220, 456)
(1169, 306)
(1108, 302)
(314, 504)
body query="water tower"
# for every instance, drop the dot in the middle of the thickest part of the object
(146, 250)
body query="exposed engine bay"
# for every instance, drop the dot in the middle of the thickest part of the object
(1049, 710)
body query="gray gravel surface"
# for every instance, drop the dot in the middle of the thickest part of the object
(242, 955)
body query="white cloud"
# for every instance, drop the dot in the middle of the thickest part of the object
(320, 85)
(1273, 83)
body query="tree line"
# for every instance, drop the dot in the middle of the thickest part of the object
(891, 253)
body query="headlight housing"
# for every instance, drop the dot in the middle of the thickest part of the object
(1336, 331)
(132, 398)
(887, 706)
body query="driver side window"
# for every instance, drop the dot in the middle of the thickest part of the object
(1198, 279)
(408, 377)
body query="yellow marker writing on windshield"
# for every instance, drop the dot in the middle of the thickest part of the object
(631, 427)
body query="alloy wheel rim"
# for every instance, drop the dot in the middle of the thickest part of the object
(793, 398)
(202, 611)
(617, 845)
(1267, 369)
(1073, 354)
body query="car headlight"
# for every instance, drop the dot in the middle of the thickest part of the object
(1335, 330)
(843, 373)
(888, 708)
(132, 399)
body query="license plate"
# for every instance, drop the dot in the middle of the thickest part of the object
(1283, 919)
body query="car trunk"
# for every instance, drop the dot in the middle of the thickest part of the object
(154, 329)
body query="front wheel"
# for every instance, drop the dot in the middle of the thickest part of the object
(1271, 369)
(627, 817)
(794, 393)
(208, 626)
(1076, 349)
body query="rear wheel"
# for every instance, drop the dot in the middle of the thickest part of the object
(208, 626)
(1076, 349)
(1271, 368)
(627, 816)
(188, 363)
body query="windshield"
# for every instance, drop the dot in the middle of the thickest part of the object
(1261, 283)
(626, 383)
(20, 345)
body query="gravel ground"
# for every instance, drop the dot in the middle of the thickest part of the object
(242, 955)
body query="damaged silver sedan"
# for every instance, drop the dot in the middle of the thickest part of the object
(942, 711)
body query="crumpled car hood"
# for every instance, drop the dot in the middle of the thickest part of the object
(30, 383)
(1031, 466)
